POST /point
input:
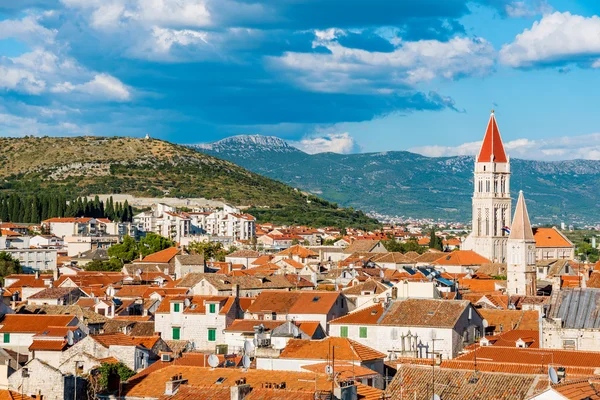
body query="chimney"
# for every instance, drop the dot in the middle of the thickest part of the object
(37, 275)
(240, 391)
(173, 384)
(229, 267)
(56, 273)
(141, 257)
(157, 334)
(235, 290)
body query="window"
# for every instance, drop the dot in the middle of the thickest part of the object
(212, 308)
(212, 335)
(176, 307)
(343, 331)
(176, 333)
(362, 332)
(7, 338)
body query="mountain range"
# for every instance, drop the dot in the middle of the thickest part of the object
(400, 183)
(82, 166)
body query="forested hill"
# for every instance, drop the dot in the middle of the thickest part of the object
(404, 183)
(80, 166)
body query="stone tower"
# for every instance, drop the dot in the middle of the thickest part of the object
(520, 254)
(491, 197)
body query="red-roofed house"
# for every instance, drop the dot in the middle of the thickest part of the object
(550, 243)
(199, 319)
(321, 306)
(61, 227)
(300, 352)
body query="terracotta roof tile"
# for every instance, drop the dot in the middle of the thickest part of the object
(345, 350)
(550, 237)
(32, 323)
(505, 320)
(461, 257)
(163, 256)
(458, 384)
(296, 302)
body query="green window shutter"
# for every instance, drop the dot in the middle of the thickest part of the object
(176, 333)
(7, 338)
(212, 308)
(343, 331)
(363, 332)
(212, 335)
(176, 307)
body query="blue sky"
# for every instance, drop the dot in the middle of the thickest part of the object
(326, 75)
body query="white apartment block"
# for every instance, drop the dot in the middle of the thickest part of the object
(166, 221)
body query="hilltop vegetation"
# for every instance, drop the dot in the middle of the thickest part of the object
(403, 183)
(81, 166)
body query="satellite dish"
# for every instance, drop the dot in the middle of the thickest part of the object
(553, 375)
(246, 362)
(248, 346)
(213, 361)
(186, 302)
(328, 369)
(70, 338)
(436, 397)
(255, 342)
(485, 323)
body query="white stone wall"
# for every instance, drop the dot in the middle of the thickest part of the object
(556, 337)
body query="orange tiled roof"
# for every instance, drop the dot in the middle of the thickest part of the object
(32, 323)
(297, 302)
(152, 385)
(511, 319)
(120, 339)
(345, 350)
(530, 356)
(163, 256)
(550, 237)
(298, 251)
(368, 315)
(132, 291)
(586, 388)
(48, 345)
(67, 219)
(461, 257)
(345, 369)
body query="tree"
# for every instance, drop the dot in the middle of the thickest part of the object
(114, 264)
(392, 245)
(435, 242)
(152, 243)
(210, 250)
(108, 370)
(8, 265)
(125, 251)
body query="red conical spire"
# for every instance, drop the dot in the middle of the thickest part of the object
(492, 149)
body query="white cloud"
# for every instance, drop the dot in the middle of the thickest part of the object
(110, 14)
(27, 29)
(20, 80)
(41, 71)
(522, 9)
(341, 143)
(346, 69)
(102, 86)
(561, 148)
(557, 37)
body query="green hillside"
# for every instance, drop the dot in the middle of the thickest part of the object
(80, 166)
